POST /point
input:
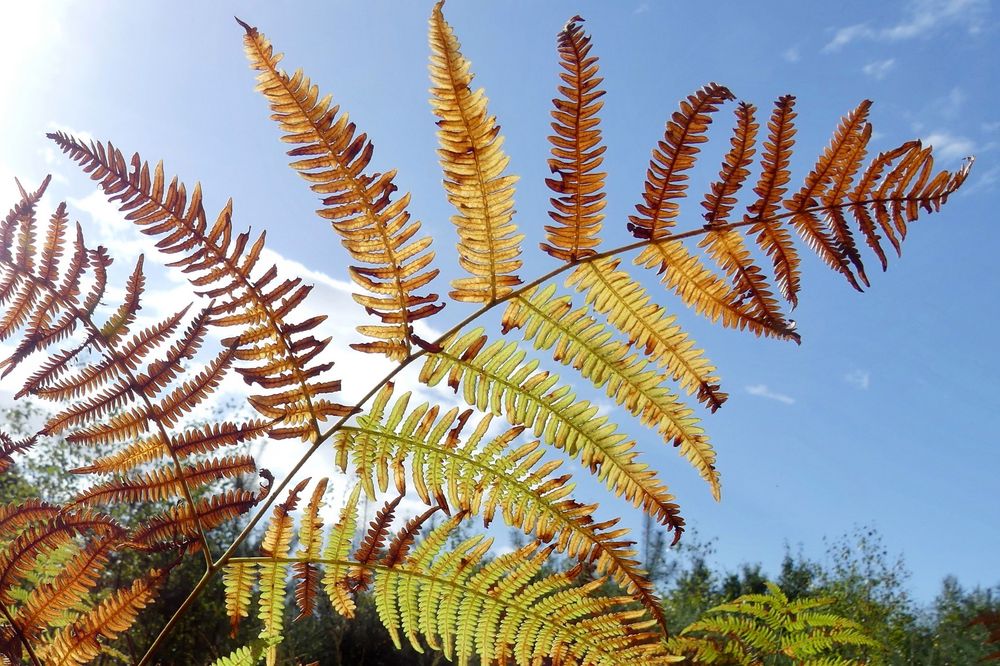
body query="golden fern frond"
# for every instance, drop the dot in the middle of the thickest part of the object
(665, 180)
(496, 379)
(474, 163)
(772, 237)
(376, 230)
(576, 151)
(80, 642)
(338, 549)
(627, 306)
(275, 351)
(483, 476)
(756, 626)
(238, 580)
(310, 546)
(550, 322)
(9, 447)
(276, 543)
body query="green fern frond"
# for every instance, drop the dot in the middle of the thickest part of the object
(496, 378)
(482, 476)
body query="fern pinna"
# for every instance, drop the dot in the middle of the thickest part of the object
(125, 388)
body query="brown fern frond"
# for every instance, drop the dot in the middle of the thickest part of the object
(180, 525)
(79, 643)
(371, 545)
(474, 163)
(725, 245)
(190, 393)
(217, 435)
(18, 557)
(164, 483)
(117, 325)
(307, 573)
(376, 230)
(576, 151)
(163, 371)
(843, 155)
(9, 447)
(77, 578)
(403, 540)
(223, 263)
(772, 237)
(665, 180)
(15, 516)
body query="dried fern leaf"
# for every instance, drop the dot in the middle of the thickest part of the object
(180, 525)
(474, 163)
(628, 307)
(484, 476)
(725, 245)
(676, 153)
(576, 152)
(578, 340)
(223, 263)
(306, 573)
(80, 642)
(772, 237)
(376, 230)
(496, 379)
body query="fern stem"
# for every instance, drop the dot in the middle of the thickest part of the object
(227, 556)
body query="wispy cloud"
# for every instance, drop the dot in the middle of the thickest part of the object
(986, 182)
(922, 17)
(858, 378)
(762, 391)
(948, 146)
(792, 54)
(878, 69)
(642, 8)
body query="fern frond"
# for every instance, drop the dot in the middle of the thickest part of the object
(474, 163)
(310, 546)
(338, 549)
(276, 543)
(754, 627)
(9, 447)
(576, 151)
(373, 543)
(164, 483)
(627, 306)
(500, 611)
(665, 180)
(496, 379)
(238, 579)
(376, 230)
(179, 524)
(483, 476)
(577, 340)
(80, 642)
(222, 263)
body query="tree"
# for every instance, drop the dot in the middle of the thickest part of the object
(133, 389)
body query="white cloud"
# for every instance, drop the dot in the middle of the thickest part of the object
(642, 8)
(948, 146)
(792, 54)
(923, 17)
(762, 391)
(858, 378)
(878, 69)
(986, 181)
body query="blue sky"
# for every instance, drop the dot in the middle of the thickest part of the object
(887, 414)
